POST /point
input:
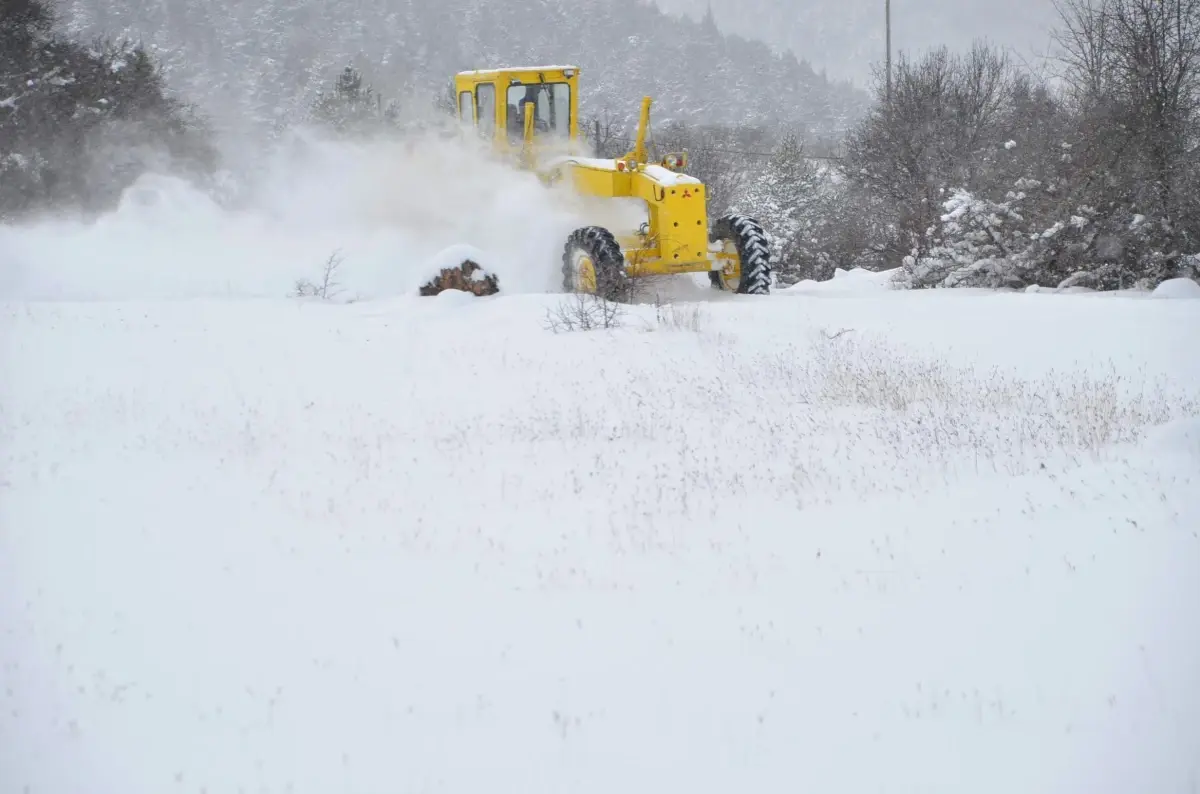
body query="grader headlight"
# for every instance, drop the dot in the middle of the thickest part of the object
(676, 161)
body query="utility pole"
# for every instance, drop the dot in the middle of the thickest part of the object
(887, 25)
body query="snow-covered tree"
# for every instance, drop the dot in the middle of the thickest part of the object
(354, 107)
(978, 241)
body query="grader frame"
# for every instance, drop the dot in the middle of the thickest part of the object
(530, 115)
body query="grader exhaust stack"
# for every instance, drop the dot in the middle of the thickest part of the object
(639, 146)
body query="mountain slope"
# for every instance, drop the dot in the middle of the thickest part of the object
(265, 60)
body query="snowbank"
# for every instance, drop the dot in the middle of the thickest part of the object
(854, 281)
(1177, 288)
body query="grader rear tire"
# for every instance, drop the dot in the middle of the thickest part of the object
(748, 237)
(593, 262)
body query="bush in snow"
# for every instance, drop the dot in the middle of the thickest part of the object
(585, 312)
(981, 242)
(327, 288)
(976, 247)
(986, 243)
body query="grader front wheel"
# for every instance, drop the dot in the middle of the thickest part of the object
(593, 263)
(750, 273)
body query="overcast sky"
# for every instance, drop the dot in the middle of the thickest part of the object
(845, 36)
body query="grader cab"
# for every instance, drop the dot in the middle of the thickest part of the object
(531, 116)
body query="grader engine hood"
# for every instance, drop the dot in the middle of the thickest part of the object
(676, 204)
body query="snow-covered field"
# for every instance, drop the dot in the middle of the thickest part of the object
(838, 539)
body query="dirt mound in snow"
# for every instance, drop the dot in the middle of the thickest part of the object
(467, 277)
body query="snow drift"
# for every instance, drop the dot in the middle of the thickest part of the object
(389, 208)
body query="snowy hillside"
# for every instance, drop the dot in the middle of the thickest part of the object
(249, 64)
(841, 538)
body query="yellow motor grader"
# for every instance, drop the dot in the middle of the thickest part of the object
(531, 115)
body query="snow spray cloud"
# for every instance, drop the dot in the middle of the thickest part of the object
(392, 210)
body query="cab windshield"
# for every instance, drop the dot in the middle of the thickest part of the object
(552, 109)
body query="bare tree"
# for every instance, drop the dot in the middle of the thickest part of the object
(1133, 72)
(1084, 51)
(606, 133)
(938, 130)
(1156, 49)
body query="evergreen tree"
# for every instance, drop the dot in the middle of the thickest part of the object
(354, 107)
(79, 122)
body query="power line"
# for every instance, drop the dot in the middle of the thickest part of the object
(743, 152)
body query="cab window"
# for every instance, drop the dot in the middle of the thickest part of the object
(552, 109)
(464, 107)
(485, 108)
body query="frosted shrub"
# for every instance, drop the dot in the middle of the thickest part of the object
(327, 288)
(584, 312)
(673, 317)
